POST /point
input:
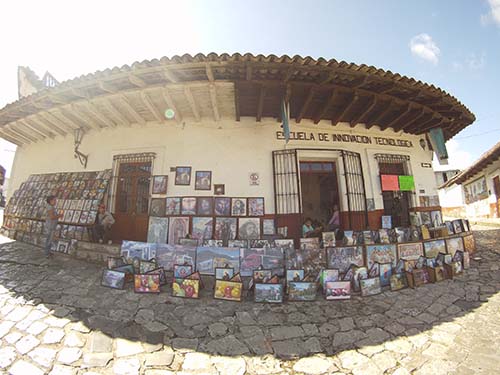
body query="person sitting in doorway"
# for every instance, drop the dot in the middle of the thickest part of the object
(102, 226)
(308, 230)
(334, 222)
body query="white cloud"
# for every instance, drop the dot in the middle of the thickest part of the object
(457, 158)
(476, 62)
(493, 15)
(424, 47)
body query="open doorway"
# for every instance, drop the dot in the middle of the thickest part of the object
(396, 203)
(319, 188)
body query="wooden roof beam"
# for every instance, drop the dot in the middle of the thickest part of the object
(422, 113)
(326, 105)
(131, 109)
(170, 76)
(192, 103)
(170, 104)
(209, 72)
(10, 138)
(63, 114)
(41, 127)
(249, 71)
(346, 110)
(90, 107)
(49, 115)
(116, 113)
(305, 106)
(136, 81)
(260, 104)
(237, 101)
(28, 131)
(151, 107)
(213, 99)
(19, 133)
(381, 115)
(428, 125)
(106, 87)
(289, 73)
(42, 132)
(391, 124)
(83, 117)
(363, 114)
(43, 121)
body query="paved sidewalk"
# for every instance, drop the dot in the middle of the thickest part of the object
(57, 319)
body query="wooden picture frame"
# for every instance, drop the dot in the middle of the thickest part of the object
(228, 290)
(188, 206)
(147, 283)
(370, 286)
(203, 180)
(173, 206)
(299, 291)
(157, 207)
(268, 293)
(256, 206)
(219, 189)
(159, 184)
(186, 288)
(204, 206)
(238, 207)
(181, 271)
(222, 206)
(337, 290)
(183, 176)
(224, 273)
(113, 279)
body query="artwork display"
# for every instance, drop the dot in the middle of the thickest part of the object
(434, 247)
(249, 228)
(160, 184)
(271, 258)
(268, 227)
(398, 281)
(113, 279)
(147, 283)
(146, 266)
(185, 288)
(410, 251)
(294, 275)
(219, 189)
(469, 243)
(301, 291)
(178, 227)
(454, 244)
(328, 239)
(370, 286)
(138, 250)
(476, 190)
(238, 207)
(255, 206)
(268, 293)
(224, 273)
(222, 206)
(161, 272)
(202, 228)
(386, 221)
(228, 290)
(209, 258)
(225, 228)
(169, 255)
(457, 226)
(158, 207)
(385, 273)
(158, 229)
(327, 276)
(383, 253)
(337, 290)
(183, 176)
(205, 206)
(114, 262)
(203, 180)
(188, 206)
(182, 271)
(173, 206)
(341, 258)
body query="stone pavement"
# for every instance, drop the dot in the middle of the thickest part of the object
(57, 319)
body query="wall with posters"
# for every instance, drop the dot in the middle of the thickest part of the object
(232, 151)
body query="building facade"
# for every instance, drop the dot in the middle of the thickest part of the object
(349, 127)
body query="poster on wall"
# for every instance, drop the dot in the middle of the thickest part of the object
(406, 183)
(476, 190)
(389, 182)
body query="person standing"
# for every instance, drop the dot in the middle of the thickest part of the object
(334, 223)
(51, 220)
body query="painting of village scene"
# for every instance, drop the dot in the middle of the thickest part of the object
(271, 293)
(202, 228)
(383, 253)
(341, 258)
(138, 250)
(370, 286)
(434, 247)
(209, 258)
(169, 255)
(301, 291)
(410, 251)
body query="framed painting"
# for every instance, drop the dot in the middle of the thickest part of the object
(410, 251)
(370, 286)
(228, 290)
(219, 189)
(169, 255)
(224, 273)
(262, 276)
(337, 290)
(328, 239)
(385, 273)
(382, 253)
(202, 228)
(160, 271)
(173, 206)
(160, 184)
(301, 291)
(342, 257)
(205, 206)
(185, 288)
(398, 281)
(209, 258)
(255, 206)
(113, 279)
(188, 206)
(146, 266)
(222, 206)
(183, 176)
(182, 271)
(213, 243)
(268, 227)
(454, 244)
(178, 227)
(327, 276)
(469, 243)
(434, 247)
(238, 207)
(192, 242)
(158, 229)
(157, 207)
(268, 293)
(138, 250)
(225, 228)
(249, 228)
(203, 180)
(114, 262)
(147, 283)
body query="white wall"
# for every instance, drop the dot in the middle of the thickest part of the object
(230, 149)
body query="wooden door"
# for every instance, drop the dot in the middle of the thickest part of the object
(496, 185)
(132, 202)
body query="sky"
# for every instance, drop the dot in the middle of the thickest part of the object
(453, 44)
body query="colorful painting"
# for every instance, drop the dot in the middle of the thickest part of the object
(294, 275)
(188, 206)
(249, 228)
(222, 206)
(328, 239)
(327, 276)
(434, 247)
(183, 176)
(147, 283)
(173, 206)
(202, 228)
(370, 286)
(268, 293)
(169, 255)
(225, 228)
(178, 228)
(185, 288)
(138, 250)
(385, 273)
(398, 281)
(410, 251)
(271, 258)
(383, 253)
(337, 290)
(255, 206)
(224, 273)
(301, 291)
(341, 258)
(160, 184)
(146, 266)
(238, 207)
(203, 180)
(454, 244)
(209, 258)
(182, 271)
(157, 229)
(228, 290)
(113, 279)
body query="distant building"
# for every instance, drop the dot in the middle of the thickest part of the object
(479, 187)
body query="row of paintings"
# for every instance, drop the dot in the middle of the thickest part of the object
(26, 230)
(203, 180)
(173, 229)
(207, 206)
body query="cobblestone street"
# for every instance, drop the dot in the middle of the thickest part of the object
(57, 319)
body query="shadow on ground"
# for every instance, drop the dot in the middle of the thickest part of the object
(71, 290)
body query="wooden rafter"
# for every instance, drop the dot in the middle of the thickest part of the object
(131, 109)
(328, 103)
(305, 106)
(347, 108)
(41, 126)
(209, 72)
(90, 107)
(170, 103)
(398, 118)
(192, 103)
(79, 93)
(260, 103)
(35, 129)
(83, 117)
(362, 115)
(107, 87)
(10, 138)
(289, 73)
(417, 118)
(65, 117)
(119, 117)
(381, 115)
(237, 101)
(45, 118)
(49, 115)
(429, 125)
(151, 107)
(213, 99)
(249, 72)
(136, 81)
(19, 125)
(20, 134)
